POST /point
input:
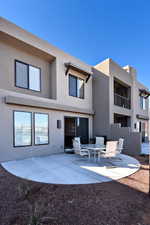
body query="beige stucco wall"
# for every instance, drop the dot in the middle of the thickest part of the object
(117, 72)
(113, 70)
(54, 82)
(63, 86)
(101, 103)
(104, 67)
(57, 86)
(132, 140)
(137, 107)
(128, 76)
(28, 48)
(16, 43)
(138, 110)
(56, 136)
(8, 55)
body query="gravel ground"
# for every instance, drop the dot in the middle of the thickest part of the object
(125, 202)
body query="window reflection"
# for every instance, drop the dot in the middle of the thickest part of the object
(34, 78)
(22, 128)
(41, 128)
(80, 88)
(21, 75)
(76, 86)
(27, 76)
(72, 86)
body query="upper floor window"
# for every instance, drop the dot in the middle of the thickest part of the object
(142, 102)
(76, 86)
(27, 76)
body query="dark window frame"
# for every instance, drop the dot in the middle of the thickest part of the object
(28, 75)
(70, 75)
(34, 128)
(77, 78)
(19, 146)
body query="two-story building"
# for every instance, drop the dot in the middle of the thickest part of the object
(47, 97)
(127, 98)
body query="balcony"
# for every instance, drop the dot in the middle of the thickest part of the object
(122, 101)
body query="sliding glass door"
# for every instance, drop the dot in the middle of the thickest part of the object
(76, 127)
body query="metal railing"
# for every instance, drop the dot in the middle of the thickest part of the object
(122, 101)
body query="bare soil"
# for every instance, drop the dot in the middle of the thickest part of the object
(123, 202)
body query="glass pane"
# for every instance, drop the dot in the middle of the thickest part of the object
(144, 103)
(41, 128)
(34, 78)
(22, 128)
(21, 75)
(72, 86)
(80, 88)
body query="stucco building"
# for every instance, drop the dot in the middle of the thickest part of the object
(127, 97)
(48, 96)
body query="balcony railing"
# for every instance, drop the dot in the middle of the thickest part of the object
(122, 101)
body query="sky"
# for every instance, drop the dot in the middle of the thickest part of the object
(91, 30)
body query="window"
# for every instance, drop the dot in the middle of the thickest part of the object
(80, 88)
(72, 86)
(34, 78)
(21, 75)
(41, 129)
(27, 76)
(76, 86)
(142, 102)
(22, 128)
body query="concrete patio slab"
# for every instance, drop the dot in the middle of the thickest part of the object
(71, 169)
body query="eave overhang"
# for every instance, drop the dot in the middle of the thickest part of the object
(142, 117)
(78, 69)
(145, 93)
(36, 103)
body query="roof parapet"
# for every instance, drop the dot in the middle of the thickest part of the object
(131, 70)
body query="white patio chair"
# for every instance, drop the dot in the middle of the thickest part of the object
(111, 150)
(99, 141)
(120, 148)
(120, 145)
(77, 139)
(80, 151)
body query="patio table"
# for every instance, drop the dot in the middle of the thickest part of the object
(94, 148)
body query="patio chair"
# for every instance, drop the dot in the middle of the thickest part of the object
(80, 151)
(77, 139)
(111, 150)
(99, 141)
(120, 145)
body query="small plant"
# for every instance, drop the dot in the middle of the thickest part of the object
(35, 218)
(37, 209)
(24, 190)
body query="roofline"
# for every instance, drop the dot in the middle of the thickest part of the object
(143, 85)
(28, 37)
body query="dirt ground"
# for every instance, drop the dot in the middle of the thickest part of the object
(125, 202)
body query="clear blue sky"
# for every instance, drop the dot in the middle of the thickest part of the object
(91, 30)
